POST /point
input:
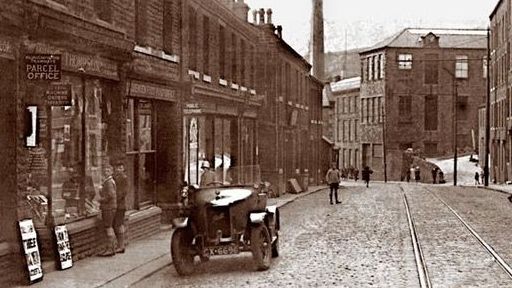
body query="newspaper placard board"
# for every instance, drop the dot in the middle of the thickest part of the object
(31, 249)
(63, 247)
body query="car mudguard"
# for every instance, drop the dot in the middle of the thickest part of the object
(274, 210)
(257, 217)
(181, 222)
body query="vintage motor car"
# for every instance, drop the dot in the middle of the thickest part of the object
(226, 217)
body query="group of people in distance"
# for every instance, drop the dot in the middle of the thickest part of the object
(334, 176)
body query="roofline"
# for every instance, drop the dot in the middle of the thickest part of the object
(373, 49)
(495, 9)
(295, 53)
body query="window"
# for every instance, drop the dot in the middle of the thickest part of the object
(484, 67)
(356, 127)
(234, 64)
(381, 65)
(462, 108)
(252, 72)
(404, 106)
(192, 39)
(370, 68)
(431, 68)
(141, 22)
(430, 148)
(167, 27)
(376, 66)
(461, 66)
(103, 10)
(405, 61)
(222, 52)
(431, 113)
(243, 60)
(206, 45)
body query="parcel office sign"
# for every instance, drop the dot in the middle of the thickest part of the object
(46, 67)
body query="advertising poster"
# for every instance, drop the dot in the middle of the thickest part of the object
(29, 239)
(63, 247)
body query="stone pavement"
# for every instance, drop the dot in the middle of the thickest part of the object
(141, 259)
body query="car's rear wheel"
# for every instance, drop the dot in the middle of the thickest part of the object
(181, 251)
(261, 247)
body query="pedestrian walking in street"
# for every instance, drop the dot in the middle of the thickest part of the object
(417, 174)
(477, 178)
(121, 180)
(356, 174)
(408, 175)
(333, 179)
(434, 175)
(365, 175)
(108, 208)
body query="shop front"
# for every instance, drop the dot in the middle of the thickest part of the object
(222, 136)
(152, 150)
(8, 209)
(79, 131)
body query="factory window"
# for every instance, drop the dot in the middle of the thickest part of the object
(405, 61)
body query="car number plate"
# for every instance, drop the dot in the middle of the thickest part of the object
(223, 250)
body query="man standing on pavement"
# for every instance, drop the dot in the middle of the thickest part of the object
(108, 207)
(333, 179)
(365, 174)
(121, 181)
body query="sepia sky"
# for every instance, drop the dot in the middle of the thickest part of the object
(365, 22)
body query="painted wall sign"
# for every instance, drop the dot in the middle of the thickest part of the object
(46, 67)
(63, 247)
(58, 95)
(74, 62)
(31, 250)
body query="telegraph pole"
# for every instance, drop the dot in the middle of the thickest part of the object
(454, 130)
(487, 115)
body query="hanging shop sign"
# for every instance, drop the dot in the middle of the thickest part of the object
(31, 250)
(58, 95)
(63, 247)
(46, 67)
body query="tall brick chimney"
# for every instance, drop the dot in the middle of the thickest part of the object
(241, 9)
(316, 48)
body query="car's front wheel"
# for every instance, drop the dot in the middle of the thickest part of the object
(261, 247)
(181, 251)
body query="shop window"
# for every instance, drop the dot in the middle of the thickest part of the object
(78, 149)
(213, 140)
(140, 141)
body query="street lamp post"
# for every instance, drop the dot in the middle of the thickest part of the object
(454, 119)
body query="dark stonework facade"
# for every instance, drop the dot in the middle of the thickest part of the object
(500, 111)
(160, 86)
(408, 91)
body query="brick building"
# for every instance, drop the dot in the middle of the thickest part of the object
(500, 111)
(347, 116)
(122, 72)
(222, 103)
(161, 86)
(409, 85)
(290, 116)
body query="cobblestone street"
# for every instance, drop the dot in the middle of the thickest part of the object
(365, 242)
